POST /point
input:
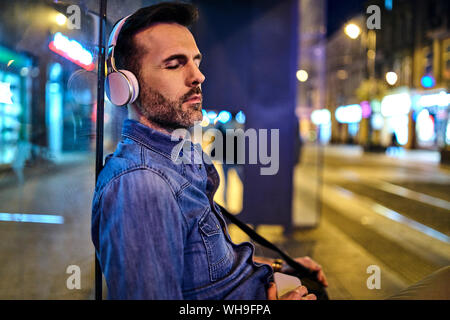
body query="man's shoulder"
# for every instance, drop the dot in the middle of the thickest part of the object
(119, 168)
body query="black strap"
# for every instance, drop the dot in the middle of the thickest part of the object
(301, 271)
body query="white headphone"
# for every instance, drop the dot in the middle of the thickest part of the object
(122, 86)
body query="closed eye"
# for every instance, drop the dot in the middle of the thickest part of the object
(178, 60)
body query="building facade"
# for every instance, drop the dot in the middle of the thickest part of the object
(398, 74)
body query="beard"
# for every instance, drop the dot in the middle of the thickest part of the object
(167, 113)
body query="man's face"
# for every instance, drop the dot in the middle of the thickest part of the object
(169, 77)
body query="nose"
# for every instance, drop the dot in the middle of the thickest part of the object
(196, 77)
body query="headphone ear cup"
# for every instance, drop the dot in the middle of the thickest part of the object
(118, 88)
(134, 84)
(122, 87)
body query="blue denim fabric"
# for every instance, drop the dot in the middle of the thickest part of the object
(157, 232)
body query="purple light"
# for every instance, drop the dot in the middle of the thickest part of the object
(366, 109)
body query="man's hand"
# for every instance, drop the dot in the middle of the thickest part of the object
(304, 261)
(299, 293)
(312, 265)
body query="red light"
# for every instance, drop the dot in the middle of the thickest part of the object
(88, 67)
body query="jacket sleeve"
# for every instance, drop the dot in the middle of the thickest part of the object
(141, 238)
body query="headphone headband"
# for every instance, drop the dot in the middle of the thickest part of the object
(122, 87)
(116, 30)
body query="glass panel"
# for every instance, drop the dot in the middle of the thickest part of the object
(48, 80)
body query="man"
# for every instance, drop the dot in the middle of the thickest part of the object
(155, 227)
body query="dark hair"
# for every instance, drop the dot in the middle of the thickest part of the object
(127, 55)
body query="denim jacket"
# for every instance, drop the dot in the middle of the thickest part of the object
(156, 230)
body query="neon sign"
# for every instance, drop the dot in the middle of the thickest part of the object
(72, 50)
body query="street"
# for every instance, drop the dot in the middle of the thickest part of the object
(391, 211)
(386, 210)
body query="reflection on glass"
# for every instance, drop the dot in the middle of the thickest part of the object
(46, 147)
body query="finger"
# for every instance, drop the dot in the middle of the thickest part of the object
(272, 291)
(323, 278)
(296, 294)
(301, 291)
(307, 261)
(310, 296)
(315, 266)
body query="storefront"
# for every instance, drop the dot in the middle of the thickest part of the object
(349, 116)
(395, 108)
(431, 117)
(15, 84)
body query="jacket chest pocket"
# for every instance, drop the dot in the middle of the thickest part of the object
(218, 251)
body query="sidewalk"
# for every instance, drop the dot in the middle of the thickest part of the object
(344, 261)
(9, 178)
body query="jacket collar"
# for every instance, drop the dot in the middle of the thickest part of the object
(155, 140)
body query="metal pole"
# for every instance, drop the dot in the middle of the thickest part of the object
(99, 129)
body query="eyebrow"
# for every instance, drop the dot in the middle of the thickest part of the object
(182, 57)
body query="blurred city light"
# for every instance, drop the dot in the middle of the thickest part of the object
(212, 115)
(377, 121)
(321, 117)
(8, 57)
(427, 81)
(36, 218)
(388, 4)
(399, 124)
(371, 54)
(375, 105)
(447, 134)
(224, 116)
(366, 109)
(5, 93)
(425, 126)
(395, 104)
(72, 50)
(240, 117)
(352, 30)
(302, 75)
(60, 19)
(205, 121)
(342, 74)
(391, 78)
(349, 114)
(24, 71)
(441, 99)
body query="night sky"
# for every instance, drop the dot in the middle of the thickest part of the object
(339, 11)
